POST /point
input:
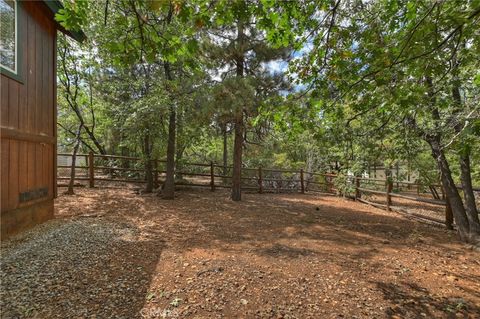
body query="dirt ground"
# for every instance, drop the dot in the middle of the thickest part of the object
(269, 256)
(427, 210)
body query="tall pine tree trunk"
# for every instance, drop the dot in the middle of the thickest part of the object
(180, 147)
(237, 158)
(238, 138)
(225, 152)
(169, 186)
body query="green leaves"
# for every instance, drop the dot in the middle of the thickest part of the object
(476, 80)
(365, 65)
(411, 11)
(74, 14)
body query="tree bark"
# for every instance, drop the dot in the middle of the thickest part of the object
(448, 214)
(451, 191)
(169, 186)
(238, 139)
(178, 161)
(465, 171)
(180, 145)
(94, 139)
(237, 159)
(468, 195)
(225, 152)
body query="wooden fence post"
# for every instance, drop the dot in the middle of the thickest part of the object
(302, 182)
(448, 214)
(212, 177)
(260, 180)
(357, 186)
(91, 170)
(389, 190)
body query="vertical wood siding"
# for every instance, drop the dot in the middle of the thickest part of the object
(28, 112)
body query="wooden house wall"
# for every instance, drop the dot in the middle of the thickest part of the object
(28, 114)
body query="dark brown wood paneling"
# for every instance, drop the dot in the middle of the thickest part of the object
(54, 150)
(39, 77)
(13, 104)
(4, 171)
(14, 134)
(22, 167)
(31, 165)
(27, 125)
(31, 74)
(39, 166)
(23, 89)
(13, 172)
(48, 89)
(4, 100)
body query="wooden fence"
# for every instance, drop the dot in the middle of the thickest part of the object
(389, 193)
(97, 168)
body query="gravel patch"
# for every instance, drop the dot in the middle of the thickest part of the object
(79, 268)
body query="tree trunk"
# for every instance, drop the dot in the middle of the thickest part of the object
(465, 171)
(451, 191)
(180, 147)
(148, 164)
(238, 142)
(169, 186)
(448, 214)
(72, 86)
(95, 141)
(468, 195)
(237, 159)
(225, 152)
(74, 160)
(178, 160)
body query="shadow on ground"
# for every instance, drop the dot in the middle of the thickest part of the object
(412, 301)
(81, 268)
(285, 255)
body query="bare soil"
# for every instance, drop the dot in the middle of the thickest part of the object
(268, 256)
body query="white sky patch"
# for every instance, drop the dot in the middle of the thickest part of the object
(307, 47)
(217, 74)
(276, 66)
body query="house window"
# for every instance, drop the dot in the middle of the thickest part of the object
(8, 36)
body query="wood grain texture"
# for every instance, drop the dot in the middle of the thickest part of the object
(27, 112)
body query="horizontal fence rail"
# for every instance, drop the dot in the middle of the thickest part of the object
(97, 169)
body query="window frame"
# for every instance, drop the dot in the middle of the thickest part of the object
(17, 74)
